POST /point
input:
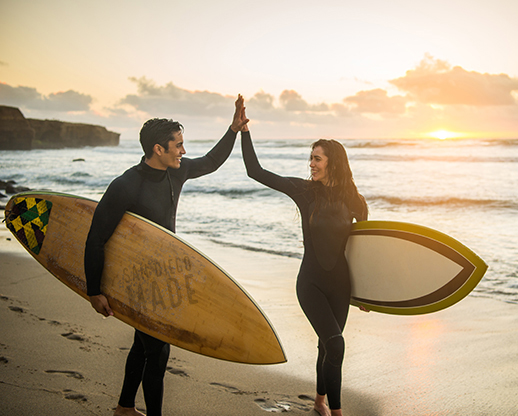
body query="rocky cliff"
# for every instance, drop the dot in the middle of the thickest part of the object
(19, 133)
(58, 134)
(15, 131)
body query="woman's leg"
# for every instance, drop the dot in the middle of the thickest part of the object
(328, 317)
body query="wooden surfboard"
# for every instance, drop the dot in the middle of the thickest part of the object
(154, 281)
(407, 269)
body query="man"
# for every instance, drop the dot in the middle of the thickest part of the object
(150, 189)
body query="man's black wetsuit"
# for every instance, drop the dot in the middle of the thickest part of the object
(323, 286)
(153, 194)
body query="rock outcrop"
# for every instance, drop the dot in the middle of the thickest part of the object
(15, 131)
(19, 133)
(58, 134)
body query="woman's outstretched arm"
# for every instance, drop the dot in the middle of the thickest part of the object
(284, 184)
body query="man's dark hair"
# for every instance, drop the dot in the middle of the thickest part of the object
(158, 130)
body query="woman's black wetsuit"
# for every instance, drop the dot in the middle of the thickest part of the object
(323, 286)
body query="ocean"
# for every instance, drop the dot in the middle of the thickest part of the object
(465, 188)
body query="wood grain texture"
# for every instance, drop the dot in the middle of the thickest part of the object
(158, 284)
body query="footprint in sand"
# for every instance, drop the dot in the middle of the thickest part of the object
(230, 389)
(73, 337)
(49, 322)
(19, 309)
(73, 374)
(177, 372)
(285, 405)
(272, 406)
(71, 395)
(306, 397)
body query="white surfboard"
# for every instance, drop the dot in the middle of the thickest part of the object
(407, 269)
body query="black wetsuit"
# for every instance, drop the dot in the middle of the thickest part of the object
(154, 195)
(323, 286)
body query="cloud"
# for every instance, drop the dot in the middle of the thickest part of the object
(377, 101)
(434, 96)
(172, 101)
(18, 96)
(30, 98)
(169, 100)
(262, 101)
(368, 113)
(292, 101)
(434, 81)
(67, 101)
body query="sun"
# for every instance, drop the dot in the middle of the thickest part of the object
(444, 135)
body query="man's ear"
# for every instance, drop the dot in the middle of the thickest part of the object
(158, 150)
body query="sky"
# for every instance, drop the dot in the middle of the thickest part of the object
(307, 69)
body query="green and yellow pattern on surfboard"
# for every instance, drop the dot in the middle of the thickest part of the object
(28, 220)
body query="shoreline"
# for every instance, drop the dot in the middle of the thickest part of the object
(57, 353)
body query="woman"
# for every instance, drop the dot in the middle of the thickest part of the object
(328, 203)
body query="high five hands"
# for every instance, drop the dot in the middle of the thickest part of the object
(239, 122)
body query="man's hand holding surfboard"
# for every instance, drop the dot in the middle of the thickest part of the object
(101, 305)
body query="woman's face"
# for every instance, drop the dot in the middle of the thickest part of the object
(318, 165)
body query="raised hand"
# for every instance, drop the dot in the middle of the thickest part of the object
(239, 122)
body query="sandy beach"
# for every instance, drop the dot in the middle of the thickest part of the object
(57, 356)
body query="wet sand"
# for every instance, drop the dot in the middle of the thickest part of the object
(57, 356)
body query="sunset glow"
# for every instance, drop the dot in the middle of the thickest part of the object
(334, 69)
(444, 135)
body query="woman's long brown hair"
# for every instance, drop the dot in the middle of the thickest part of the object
(340, 178)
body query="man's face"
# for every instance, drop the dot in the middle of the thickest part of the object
(172, 157)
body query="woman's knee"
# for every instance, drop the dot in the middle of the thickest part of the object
(335, 350)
